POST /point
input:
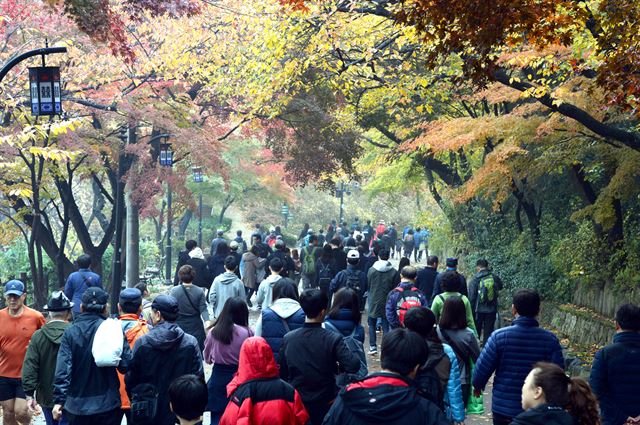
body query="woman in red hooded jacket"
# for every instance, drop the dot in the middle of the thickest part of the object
(276, 402)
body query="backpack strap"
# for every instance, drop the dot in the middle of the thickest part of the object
(285, 323)
(190, 300)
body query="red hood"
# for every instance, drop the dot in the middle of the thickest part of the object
(256, 361)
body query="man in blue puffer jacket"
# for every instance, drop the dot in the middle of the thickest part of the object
(511, 353)
(615, 375)
(78, 282)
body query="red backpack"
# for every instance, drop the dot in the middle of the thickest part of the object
(408, 299)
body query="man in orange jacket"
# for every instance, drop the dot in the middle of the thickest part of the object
(130, 308)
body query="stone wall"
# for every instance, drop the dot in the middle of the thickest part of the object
(604, 300)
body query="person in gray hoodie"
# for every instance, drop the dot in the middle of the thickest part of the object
(382, 278)
(264, 298)
(225, 286)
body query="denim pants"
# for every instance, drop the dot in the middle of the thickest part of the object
(372, 321)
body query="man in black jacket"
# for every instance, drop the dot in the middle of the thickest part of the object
(279, 252)
(183, 258)
(89, 394)
(484, 289)
(452, 265)
(427, 276)
(308, 357)
(161, 356)
(390, 396)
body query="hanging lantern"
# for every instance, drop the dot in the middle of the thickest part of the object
(166, 155)
(45, 90)
(198, 177)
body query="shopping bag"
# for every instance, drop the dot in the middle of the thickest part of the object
(475, 405)
(107, 343)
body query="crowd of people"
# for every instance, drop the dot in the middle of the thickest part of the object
(305, 360)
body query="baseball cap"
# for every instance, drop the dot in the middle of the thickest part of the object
(58, 302)
(14, 287)
(353, 254)
(220, 232)
(95, 296)
(452, 262)
(233, 245)
(165, 304)
(130, 295)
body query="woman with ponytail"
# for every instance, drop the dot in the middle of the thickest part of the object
(550, 397)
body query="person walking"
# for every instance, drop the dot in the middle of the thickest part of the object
(216, 261)
(203, 276)
(452, 266)
(511, 353)
(183, 258)
(242, 245)
(427, 276)
(382, 278)
(484, 290)
(233, 251)
(258, 395)
(308, 357)
(284, 315)
(389, 396)
(551, 397)
(217, 241)
(352, 278)
(79, 281)
(404, 297)
(225, 286)
(308, 256)
(439, 378)
(130, 310)
(88, 394)
(222, 349)
(253, 263)
(161, 356)
(192, 305)
(39, 364)
(325, 269)
(264, 297)
(615, 374)
(17, 325)
(188, 399)
(453, 329)
(345, 317)
(423, 246)
(409, 243)
(449, 282)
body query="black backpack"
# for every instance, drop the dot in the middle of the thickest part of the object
(325, 274)
(144, 404)
(429, 382)
(353, 281)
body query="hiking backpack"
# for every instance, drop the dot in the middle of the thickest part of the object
(353, 282)
(325, 274)
(408, 299)
(309, 262)
(356, 348)
(487, 290)
(429, 382)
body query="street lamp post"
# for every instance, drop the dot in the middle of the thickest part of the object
(166, 160)
(198, 177)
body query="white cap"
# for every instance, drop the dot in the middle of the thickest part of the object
(353, 254)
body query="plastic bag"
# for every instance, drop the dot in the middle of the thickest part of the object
(475, 405)
(107, 343)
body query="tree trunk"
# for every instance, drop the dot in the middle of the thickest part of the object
(132, 242)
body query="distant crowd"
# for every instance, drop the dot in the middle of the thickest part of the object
(307, 358)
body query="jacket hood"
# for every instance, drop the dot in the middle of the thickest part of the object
(272, 279)
(196, 253)
(165, 336)
(483, 273)
(545, 415)
(382, 266)
(285, 307)
(227, 278)
(628, 337)
(256, 361)
(380, 398)
(53, 330)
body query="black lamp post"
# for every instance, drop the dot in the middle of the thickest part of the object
(198, 177)
(166, 160)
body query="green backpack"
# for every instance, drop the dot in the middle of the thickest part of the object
(309, 262)
(487, 290)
